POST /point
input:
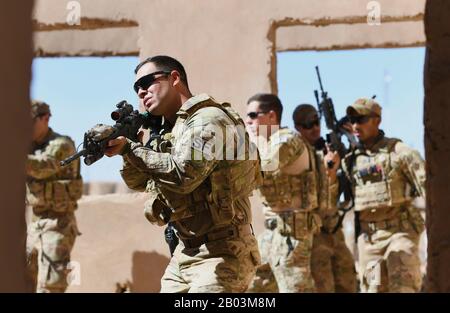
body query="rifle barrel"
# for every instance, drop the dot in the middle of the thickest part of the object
(73, 158)
(320, 80)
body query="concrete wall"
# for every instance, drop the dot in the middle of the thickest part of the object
(437, 143)
(15, 62)
(229, 50)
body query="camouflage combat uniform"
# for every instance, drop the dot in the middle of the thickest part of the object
(290, 202)
(52, 192)
(203, 189)
(384, 180)
(332, 263)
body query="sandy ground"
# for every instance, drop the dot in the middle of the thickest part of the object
(119, 248)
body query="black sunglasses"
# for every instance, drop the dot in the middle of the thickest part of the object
(309, 124)
(146, 81)
(360, 119)
(253, 115)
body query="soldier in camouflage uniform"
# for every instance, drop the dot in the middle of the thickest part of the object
(198, 181)
(332, 263)
(290, 201)
(386, 174)
(52, 193)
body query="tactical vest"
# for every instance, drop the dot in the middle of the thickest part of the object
(229, 181)
(59, 192)
(378, 183)
(279, 189)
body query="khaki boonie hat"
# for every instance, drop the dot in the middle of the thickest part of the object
(39, 108)
(364, 106)
(305, 113)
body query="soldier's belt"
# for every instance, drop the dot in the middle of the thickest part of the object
(329, 223)
(271, 223)
(220, 234)
(371, 227)
(285, 217)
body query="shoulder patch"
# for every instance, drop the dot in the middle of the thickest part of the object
(283, 135)
(391, 143)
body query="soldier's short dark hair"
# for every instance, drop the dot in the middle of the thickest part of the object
(303, 112)
(165, 63)
(268, 102)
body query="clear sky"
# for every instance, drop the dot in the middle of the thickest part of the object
(83, 91)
